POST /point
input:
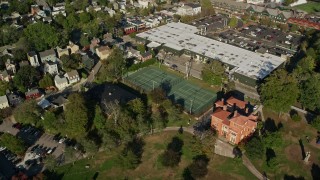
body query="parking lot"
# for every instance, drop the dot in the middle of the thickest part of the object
(179, 64)
(39, 146)
(261, 39)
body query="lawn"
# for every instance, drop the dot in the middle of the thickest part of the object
(104, 165)
(289, 154)
(310, 7)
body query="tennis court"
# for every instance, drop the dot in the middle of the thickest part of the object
(192, 97)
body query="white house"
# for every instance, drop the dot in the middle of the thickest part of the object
(33, 59)
(51, 68)
(189, 9)
(61, 82)
(10, 66)
(72, 76)
(298, 2)
(103, 52)
(4, 103)
(111, 12)
(62, 52)
(143, 3)
(255, 1)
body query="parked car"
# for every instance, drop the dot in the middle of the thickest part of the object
(62, 140)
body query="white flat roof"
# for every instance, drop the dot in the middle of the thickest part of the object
(181, 36)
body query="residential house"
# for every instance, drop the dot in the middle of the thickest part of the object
(33, 59)
(10, 67)
(48, 55)
(230, 6)
(4, 103)
(51, 68)
(232, 121)
(62, 52)
(59, 102)
(59, 8)
(103, 52)
(61, 82)
(273, 14)
(189, 9)
(255, 1)
(72, 76)
(143, 3)
(34, 9)
(133, 53)
(14, 99)
(111, 12)
(33, 94)
(4, 76)
(304, 23)
(146, 56)
(87, 62)
(73, 48)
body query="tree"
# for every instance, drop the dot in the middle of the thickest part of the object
(12, 143)
(3, 87)
(316, 123)
(27, 77)
(46, 81)
(70, 62)
(76, 116)
(19, 55)
(272, 139)
(171, 157)
(157, 95)
(28, 113)
(310, 91)
(288, 2)
(84, 40)
(233, 22)
(114, 67)
(42, 36)
(213, 73)
(84, 18)
(198, 168)
(9, 35)
(141, 48)
(255, 148)
(172, 111)
(279, 91)
(206, 7)
(128, 159)
(99, 120)
(50, 122)
(89, 146)
(50, 162)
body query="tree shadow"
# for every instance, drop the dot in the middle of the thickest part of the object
(270, 154)
(237, 152)
(95, 176)
(292, 177)
(166, 86)
(52, 175)
(315, 171)
(270, 125)
(175, 144)
(303, 152)
(136, 146)
(197, 169)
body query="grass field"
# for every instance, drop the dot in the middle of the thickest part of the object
(104, 165)
(191, 96)
(290, 158)
(310, 7)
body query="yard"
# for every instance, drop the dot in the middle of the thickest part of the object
(289, 154)
(310, 7)
(104, 165)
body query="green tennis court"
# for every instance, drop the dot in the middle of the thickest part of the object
(192, 97)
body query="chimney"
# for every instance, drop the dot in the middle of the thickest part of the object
(224, 107)
(223, 102)
(235, 113)
(247, 110)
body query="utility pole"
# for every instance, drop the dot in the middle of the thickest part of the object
(191, 106)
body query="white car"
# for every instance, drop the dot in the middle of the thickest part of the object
(62, 140)
(166, 63)
(2, 148)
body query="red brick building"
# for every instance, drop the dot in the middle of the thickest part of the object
(232, 121)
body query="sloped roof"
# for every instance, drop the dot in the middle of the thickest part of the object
(241, 104)
(221, 114)
(47, 53)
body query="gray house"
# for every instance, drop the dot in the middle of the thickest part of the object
(48, 55)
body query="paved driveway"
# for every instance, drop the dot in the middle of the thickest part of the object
(223, 149)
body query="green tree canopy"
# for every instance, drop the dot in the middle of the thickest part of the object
(50, 122)
(26, 77)
(279, 91)
(76, 116)
(198, 168)
(12, 143)
(255, 148)
(46, 81)
(316, 123)
(206, 7)
(233, 22)
(28, 113)
(42, 36)
(70, 62)
(310, 93)
(3, 87)
(213, 73)
(9, 35)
